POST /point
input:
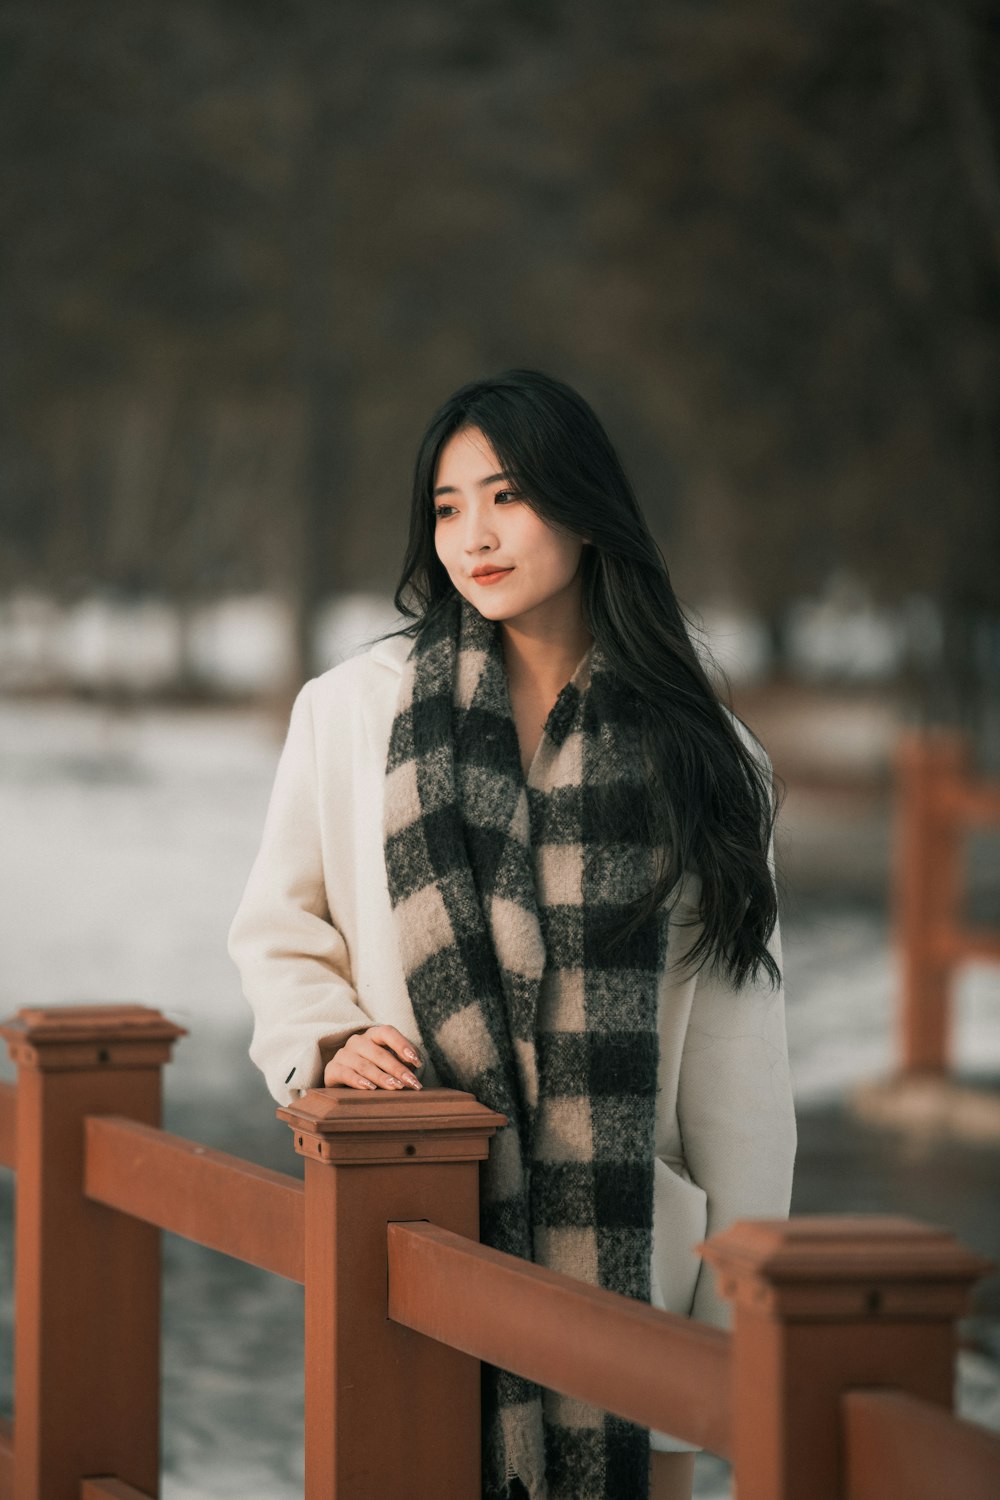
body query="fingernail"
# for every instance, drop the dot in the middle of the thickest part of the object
(411, 1056)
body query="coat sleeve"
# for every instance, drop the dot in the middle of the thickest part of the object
(293, 962)
(735, 1108)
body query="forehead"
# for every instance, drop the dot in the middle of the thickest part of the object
(468, 452)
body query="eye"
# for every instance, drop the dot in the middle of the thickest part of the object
(439, 510)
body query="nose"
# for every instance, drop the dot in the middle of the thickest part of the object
(480, 530)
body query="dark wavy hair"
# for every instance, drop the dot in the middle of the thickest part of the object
(710, 807)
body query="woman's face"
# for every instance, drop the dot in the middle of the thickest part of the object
(480, 521)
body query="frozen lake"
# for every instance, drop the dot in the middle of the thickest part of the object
(127, 839)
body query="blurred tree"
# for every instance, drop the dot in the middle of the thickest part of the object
(250, 247)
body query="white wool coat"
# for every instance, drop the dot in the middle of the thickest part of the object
(315, 945)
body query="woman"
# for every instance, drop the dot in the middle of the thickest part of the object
(522, 848)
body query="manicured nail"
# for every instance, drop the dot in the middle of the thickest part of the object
(409, 1078)
(410, 1056)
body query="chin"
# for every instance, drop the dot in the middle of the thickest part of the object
(494, 609)
(497, 611)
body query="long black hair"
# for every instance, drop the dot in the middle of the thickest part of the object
(710, 807)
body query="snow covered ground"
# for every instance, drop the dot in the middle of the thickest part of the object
(127, 837)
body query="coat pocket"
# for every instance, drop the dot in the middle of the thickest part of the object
(680, 1216)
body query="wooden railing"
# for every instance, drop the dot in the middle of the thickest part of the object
(564, 1334)
(841, 1353)
(938, 800)
(898, 1445)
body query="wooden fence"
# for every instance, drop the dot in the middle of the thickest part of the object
(835, 1383)
(938, 801)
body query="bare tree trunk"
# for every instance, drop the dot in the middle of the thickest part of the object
(320, 378)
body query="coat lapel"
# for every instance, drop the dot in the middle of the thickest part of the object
(378, 705)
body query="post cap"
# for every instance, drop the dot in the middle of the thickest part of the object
(74, 1037)
(820, 1265)
(341, 1124)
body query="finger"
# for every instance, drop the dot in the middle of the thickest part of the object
(377, 1062)
(383, 1079)
(390, 1037)
(336, 1073)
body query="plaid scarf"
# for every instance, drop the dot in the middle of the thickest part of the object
(501, 888)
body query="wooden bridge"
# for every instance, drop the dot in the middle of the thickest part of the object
(939, 800)
(836, 1382)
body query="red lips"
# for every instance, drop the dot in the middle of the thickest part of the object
(493, 575)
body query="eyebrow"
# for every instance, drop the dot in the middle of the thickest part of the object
(449, 489)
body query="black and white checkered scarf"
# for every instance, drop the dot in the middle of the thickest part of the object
(500, 888)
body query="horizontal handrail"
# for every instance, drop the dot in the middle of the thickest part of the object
(8, 1125)
(563, 1333)
(110, 1489)
(967, 944)
(971, 801)
(249, 1212)
(926, 1450)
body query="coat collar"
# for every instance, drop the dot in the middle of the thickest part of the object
(393, 652)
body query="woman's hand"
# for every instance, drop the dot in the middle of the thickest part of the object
(368, 1060)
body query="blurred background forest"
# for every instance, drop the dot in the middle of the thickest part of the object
(249, 247)
(246, 251)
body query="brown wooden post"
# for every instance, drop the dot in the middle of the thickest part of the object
(87, 1279)
(927, 892)
(388, 1411)
(825, 1305)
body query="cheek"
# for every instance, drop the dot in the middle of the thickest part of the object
(447, 554)
(563, 556)
(535, 541)
(557, 547)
